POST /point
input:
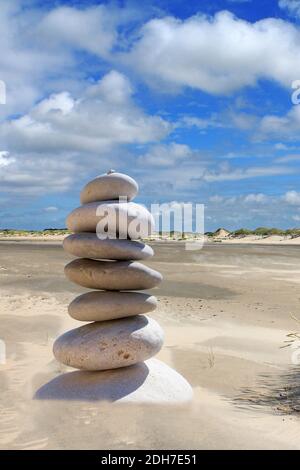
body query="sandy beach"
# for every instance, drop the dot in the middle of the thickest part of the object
(237, 240)
(226, 311)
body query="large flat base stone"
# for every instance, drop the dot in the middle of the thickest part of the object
(148, 382)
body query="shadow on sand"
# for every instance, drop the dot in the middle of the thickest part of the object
(109, 385)
(281, 392)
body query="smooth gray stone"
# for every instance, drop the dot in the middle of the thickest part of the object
(112, 275)
(101, 306)
(109, 186)
(151, 382)
(113, 219)
(110, 344)
(88, 245)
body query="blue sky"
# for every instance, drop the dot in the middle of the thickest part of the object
(193, 99)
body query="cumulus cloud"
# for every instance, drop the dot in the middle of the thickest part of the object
(292, 197)
(180, 168)
(92, 29)
(102, 118)
(166, 155)
(285, 126)
(292, 6)
(195, 179)
(217, 54)
(256, 198)
(39, 47)
(5, 159)
(52, 143)
(26, 67)
(61, 125)
(278, 126)
(36, 174)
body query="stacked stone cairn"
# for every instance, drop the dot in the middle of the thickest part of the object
(119, 339)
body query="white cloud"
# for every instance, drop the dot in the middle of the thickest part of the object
(166, 155)
(256, 198)
(102, 118)
(237, 120)
(292, 6)
(287, 126)
(196, 177)
(114, 87)
(230, 119)
(226, 173)
(220, 54)
(62, 138)
(217, 54)
(201, 123)
(281, 146)
(216, 199)
(92, 29)
(61, 102)
(232, 156)
(26, 67)
(252, 198)
(51, 209)
(292, 197)
(288, 158)
(5, 159)
(39, 47)
(68, 129)
(250, 211)
(37, 174)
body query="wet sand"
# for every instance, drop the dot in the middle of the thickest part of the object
(226, 311)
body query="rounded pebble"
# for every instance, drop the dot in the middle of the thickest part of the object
(112, 219)
(110, 344)
(150, 382)
(111, 185)
(112, 275)
(88, 245)
(101, 306)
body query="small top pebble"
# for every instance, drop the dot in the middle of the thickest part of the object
(109, 186)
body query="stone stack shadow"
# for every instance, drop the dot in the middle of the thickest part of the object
(114, 350)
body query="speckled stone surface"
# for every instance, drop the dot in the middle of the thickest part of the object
(110, 344)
